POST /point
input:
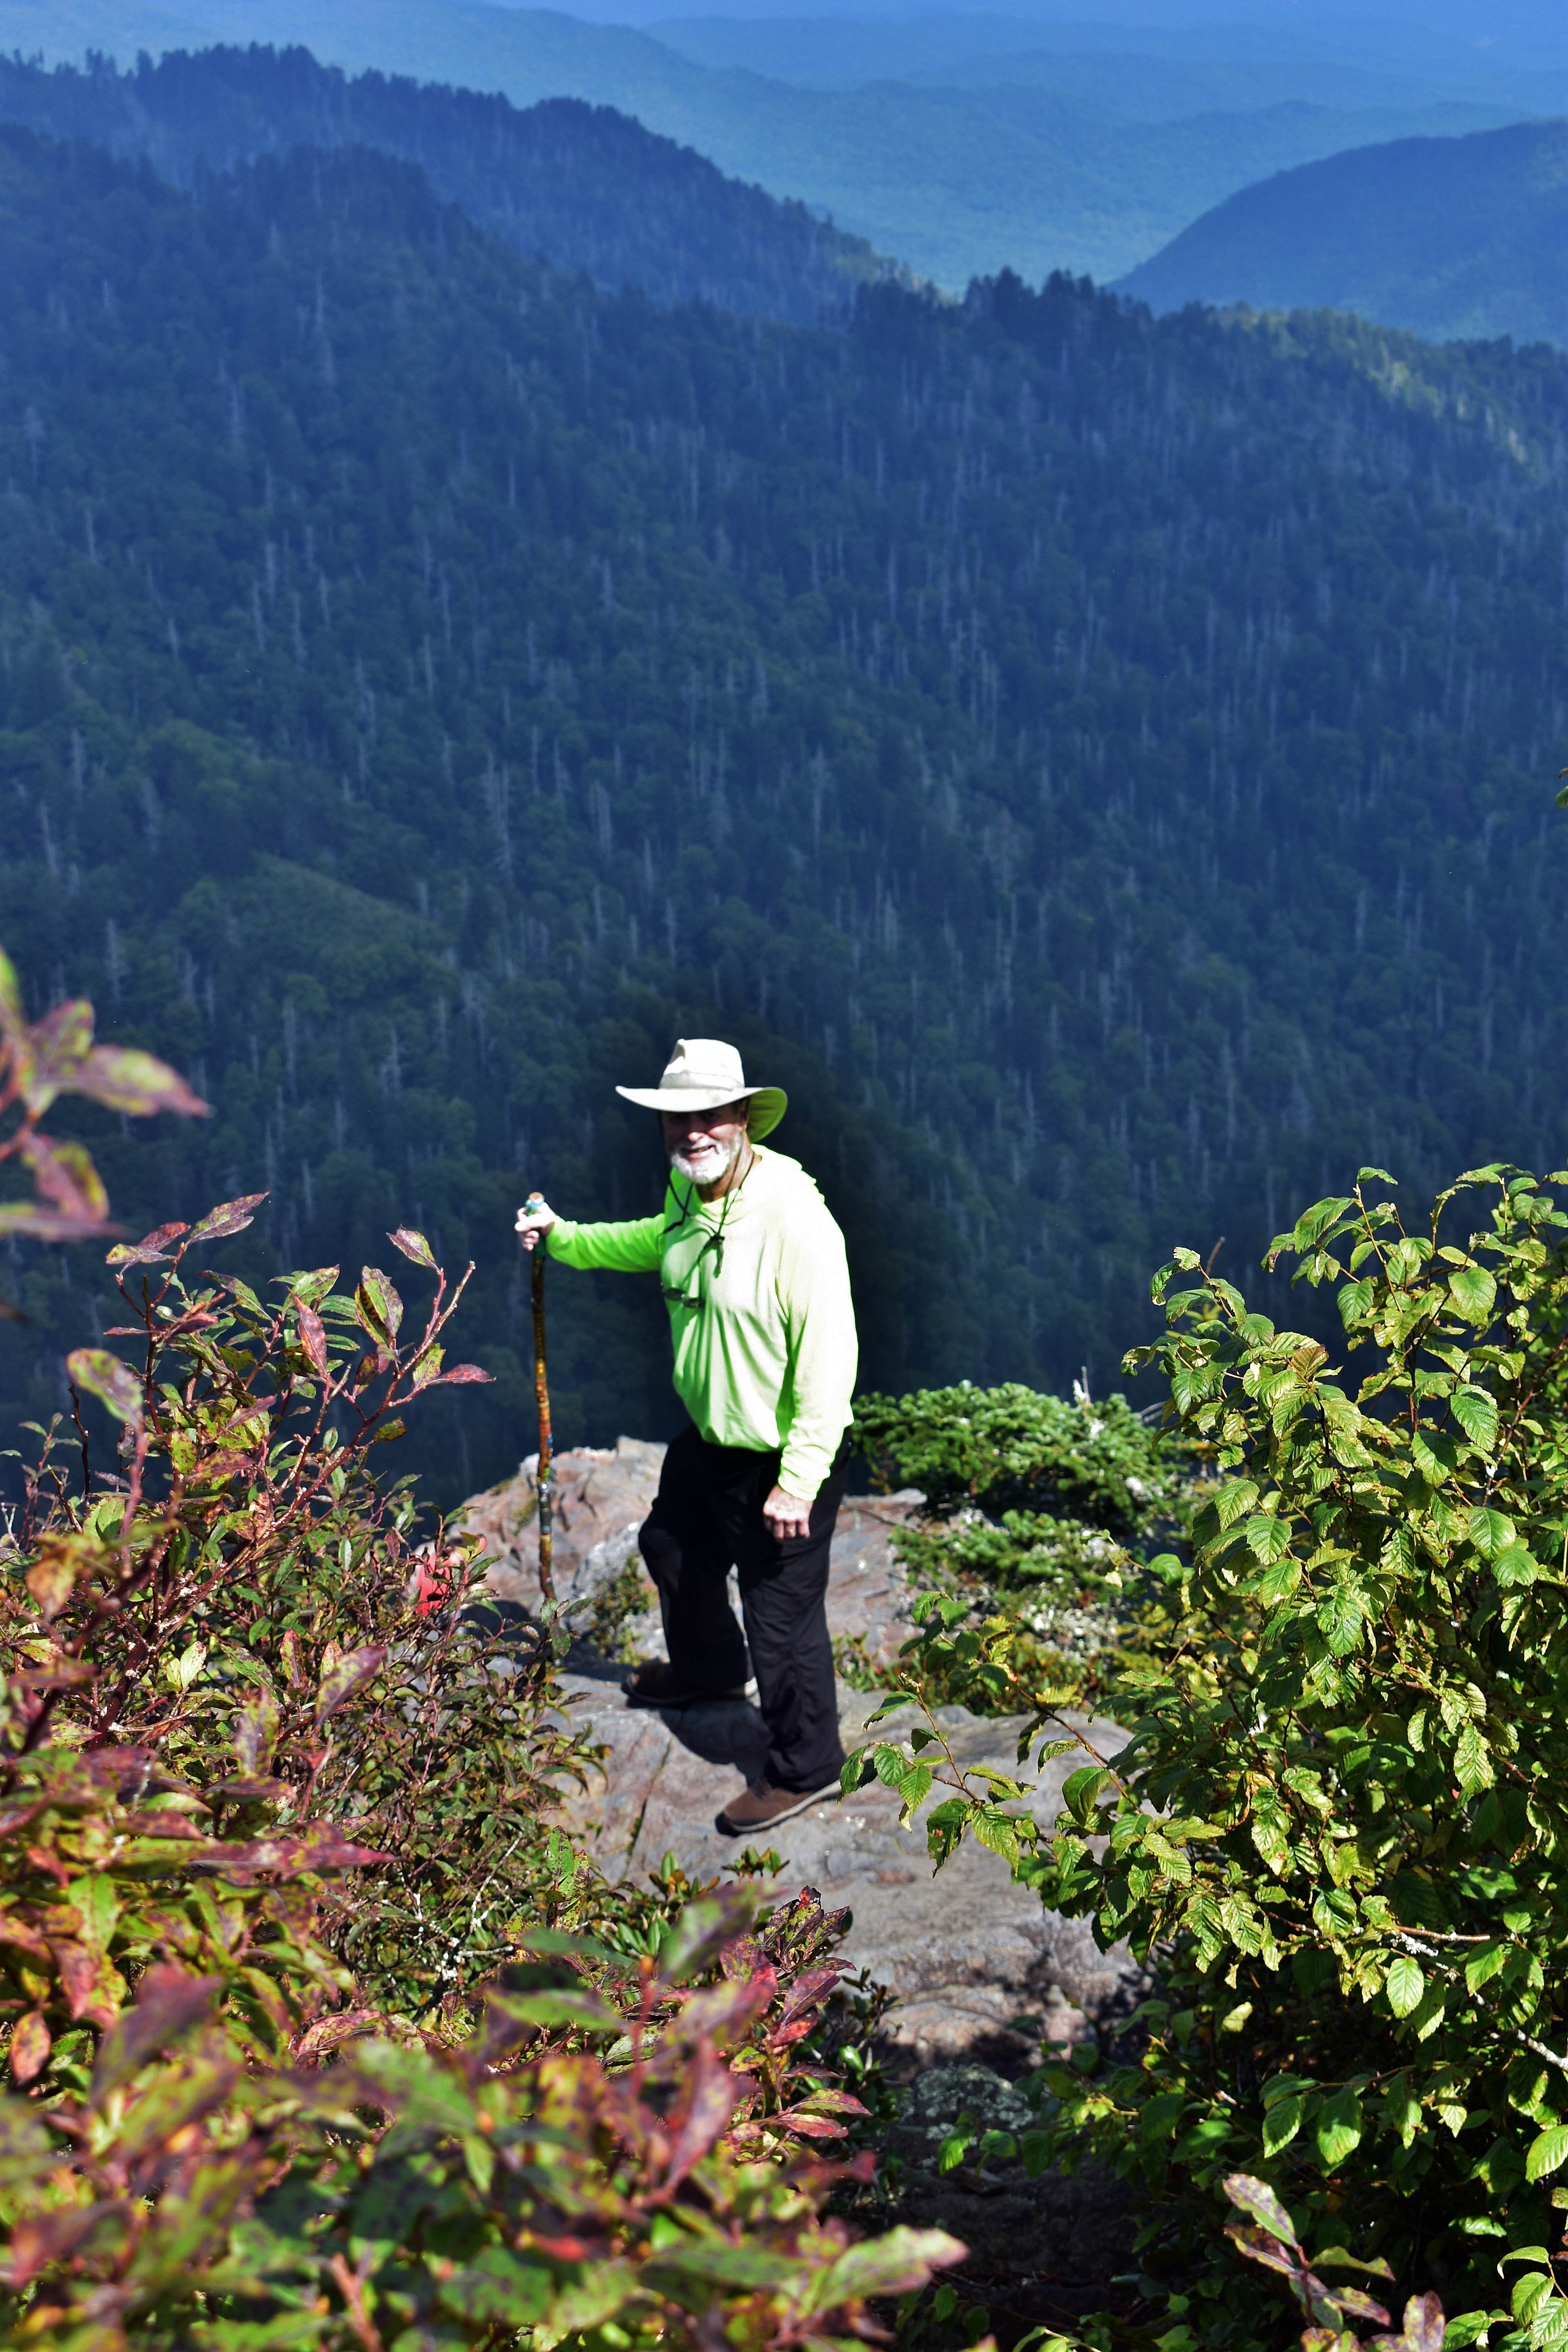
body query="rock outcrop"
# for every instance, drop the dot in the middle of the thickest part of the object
(980, 1973)
(967, 1953)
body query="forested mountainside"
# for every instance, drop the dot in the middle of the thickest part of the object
(956, 182)
(1451, 237)
(585, 187)
(1103, 767)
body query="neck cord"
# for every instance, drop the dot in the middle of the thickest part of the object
(715, 1241)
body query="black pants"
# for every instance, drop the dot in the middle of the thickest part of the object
(707, 1518)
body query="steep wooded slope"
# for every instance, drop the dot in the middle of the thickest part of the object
(1102, 766)
(585, 187)
(1451, 237)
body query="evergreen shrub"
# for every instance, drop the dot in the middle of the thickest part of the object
(1039, 1508)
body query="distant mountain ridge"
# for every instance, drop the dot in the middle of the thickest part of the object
(958, 183)
(587, 187)
(1452, 238)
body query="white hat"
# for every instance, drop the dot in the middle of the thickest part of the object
(703, 1073)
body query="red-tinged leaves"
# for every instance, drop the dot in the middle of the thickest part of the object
(810, 1989)
(412, 1245)
(232, 1217)
(60, 1561)
(314, 1341)
(216, 1469)
(42, 2238)
(106, 1378)
(152, 1249)
(462, 1376)
(1261, 2245)
(1255, 2197)
(379, 1307)
(721, 2012)
(696, 1938)
(1358, 2304)
(710, 2096)
(14, 1930)
(82, 1981)
(330, 2034)
(317, 1847)
(254, 1731)
(804, 2125)
(261, 1789)
(169, 2002)
(64, 1176)
(346, 1675)
(896, 2263)
(1424, 2326)
(30, 2045)
(123, 1079)
(56, 1672)
(57, 1046)
(30, 1221)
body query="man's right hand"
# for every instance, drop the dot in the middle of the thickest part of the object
(534, 1220)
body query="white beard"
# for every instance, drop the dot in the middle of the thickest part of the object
(714, 1164)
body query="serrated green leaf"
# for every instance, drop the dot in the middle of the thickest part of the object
(1267, 1539)
(1477, 1415)
(1281, 2123)
(1278, 1582)
(1405, 1985)
(1472, 1761)
(1473, 1292)
(1354, 1300)
(1547, 2152)
(1338, 2129)
(1341, 1612)
(1481, 1967)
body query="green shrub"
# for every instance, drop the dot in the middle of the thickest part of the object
(1036, 1509)
(1340, 1833)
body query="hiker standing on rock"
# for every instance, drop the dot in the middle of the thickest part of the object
(755, 1279)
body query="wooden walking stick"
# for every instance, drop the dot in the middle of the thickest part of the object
(542, 1397)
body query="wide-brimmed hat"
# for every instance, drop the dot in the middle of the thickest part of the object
(701, 1074)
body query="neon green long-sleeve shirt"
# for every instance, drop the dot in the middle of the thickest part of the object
(759, 1311)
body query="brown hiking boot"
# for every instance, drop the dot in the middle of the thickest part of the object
(658, 1684)
(761, 1806)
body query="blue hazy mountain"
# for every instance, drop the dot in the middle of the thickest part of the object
(1147, 70)
(955, 182)
(1451, 237)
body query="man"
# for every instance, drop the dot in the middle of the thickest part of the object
(754, 1276)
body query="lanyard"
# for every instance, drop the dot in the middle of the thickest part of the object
(695, 1297)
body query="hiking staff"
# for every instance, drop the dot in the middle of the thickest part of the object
(541, 1398)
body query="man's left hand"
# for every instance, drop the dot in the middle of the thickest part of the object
(787, 1514)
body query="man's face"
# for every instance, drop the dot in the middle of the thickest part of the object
(704, 1145)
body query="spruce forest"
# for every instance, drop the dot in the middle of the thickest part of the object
(480, 597)
(1103, 767)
